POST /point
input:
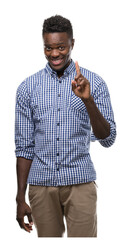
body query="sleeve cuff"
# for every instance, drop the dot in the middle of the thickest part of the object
(24, 155)
(107, 142)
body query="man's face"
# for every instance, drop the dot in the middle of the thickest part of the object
(57, 49)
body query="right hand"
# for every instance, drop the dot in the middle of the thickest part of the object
(24, 210)
(81, 85)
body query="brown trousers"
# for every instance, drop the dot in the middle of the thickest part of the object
(76, 202)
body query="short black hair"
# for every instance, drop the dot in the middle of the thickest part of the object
(57, 23)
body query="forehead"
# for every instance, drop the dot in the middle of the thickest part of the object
(56, 38)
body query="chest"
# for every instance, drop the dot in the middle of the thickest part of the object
(55, 94)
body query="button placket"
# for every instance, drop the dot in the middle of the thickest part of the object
(58, 124)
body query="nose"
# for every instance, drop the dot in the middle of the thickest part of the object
(54, 53)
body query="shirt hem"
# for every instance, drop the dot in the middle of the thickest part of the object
(57, 184)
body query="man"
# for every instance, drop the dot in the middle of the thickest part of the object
(55, 111)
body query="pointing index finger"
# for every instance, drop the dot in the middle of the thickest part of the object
(77, 68)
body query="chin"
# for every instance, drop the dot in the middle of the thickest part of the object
(58, 68)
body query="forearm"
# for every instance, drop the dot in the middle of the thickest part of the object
(100, 126)
(23, 167)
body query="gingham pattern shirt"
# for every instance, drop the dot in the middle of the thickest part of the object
(52, 127)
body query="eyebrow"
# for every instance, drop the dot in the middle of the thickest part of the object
(60, 43)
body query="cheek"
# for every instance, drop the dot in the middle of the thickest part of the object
(47, 55)
(68, 53)
(45, 52)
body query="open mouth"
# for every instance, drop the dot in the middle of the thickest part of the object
(56, 62)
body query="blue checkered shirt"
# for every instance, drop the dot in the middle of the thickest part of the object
(52, 127)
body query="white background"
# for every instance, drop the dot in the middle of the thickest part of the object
(102, 33)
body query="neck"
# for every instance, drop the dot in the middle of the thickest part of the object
(61, 72)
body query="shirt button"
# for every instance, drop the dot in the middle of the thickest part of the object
(58, 109)
(60, 81)
(57, 169)
(58, 124)
(57, 154)
(58, 95)
(57, 139)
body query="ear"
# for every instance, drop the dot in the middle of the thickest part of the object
(72, 43)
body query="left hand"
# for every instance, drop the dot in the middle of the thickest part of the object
(80, 85)
(24, 210)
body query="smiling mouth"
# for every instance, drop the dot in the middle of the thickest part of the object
(56, 62)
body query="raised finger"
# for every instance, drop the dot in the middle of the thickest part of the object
(77, 68)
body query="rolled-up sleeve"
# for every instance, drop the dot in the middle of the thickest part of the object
(103, 102)
(24, 127)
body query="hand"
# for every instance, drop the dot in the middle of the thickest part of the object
(24, 210)
(80, 85)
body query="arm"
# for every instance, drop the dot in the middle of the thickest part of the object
(98, 107)
(24, 141)
(100, 126)
(23, 167)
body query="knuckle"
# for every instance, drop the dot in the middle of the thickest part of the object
(29, 214)
(28, 211)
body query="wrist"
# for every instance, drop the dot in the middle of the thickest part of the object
(88, 100)
(20, 198)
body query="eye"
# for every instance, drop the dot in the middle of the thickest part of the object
(48, 48)
(61, 48)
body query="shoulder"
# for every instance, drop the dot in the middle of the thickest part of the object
(30, 83)
(91, 76)
(95, 80)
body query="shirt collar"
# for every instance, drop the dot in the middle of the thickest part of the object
(67, 71)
